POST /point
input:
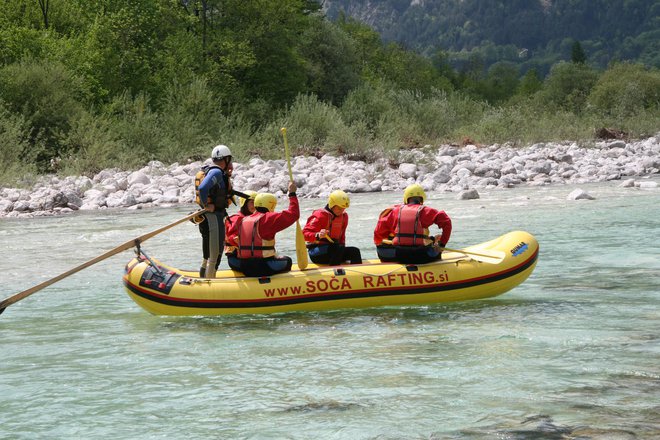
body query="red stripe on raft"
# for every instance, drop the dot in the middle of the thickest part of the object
(329, 295)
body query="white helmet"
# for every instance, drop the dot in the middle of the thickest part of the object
(220, 151)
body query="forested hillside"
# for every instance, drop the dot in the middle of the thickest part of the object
(87, 85)
(531, 33)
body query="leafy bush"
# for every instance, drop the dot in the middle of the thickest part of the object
(568, 86)
(49, 97)
(117, 84)
(15, 152)
(188, 116)
(626, 89)
(97, 147)
(332, 64)
(311, 122)
(356, 142)
(367, 104)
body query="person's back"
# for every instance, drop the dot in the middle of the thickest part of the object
(325, 233)
(246, 205)
(402, 232)
(257, 256)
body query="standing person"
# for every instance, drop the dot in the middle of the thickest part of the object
(231, 228)
(325, 233)
(402, 232)
(256, 235)
(213, 193)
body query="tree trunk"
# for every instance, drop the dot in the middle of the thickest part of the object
(44, 4)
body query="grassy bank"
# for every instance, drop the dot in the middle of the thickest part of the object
(374, 120)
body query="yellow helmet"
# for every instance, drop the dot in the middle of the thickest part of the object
(414, 190)
(251, 195)
(265, 200)
(338, 198)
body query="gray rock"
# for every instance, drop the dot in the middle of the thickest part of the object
(138, 177)
(13, 196)
(278, 183)
(441, 175)
(616, 144)
(361, 187)
(128, 199)
(21, 206)
(579, 194)
(172, 192)
(376, 185)
(73, 199)
(470, 194)
(448, 168)
(408, 170)
(543, 168)
(256, 184)
(462, 172)
(166, 200)
(6, 206)
(144, 199)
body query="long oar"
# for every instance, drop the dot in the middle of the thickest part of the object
(122, 247)
(486, 258)
(301, 249)
(498, 257)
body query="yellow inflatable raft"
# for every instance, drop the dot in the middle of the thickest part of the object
(481, 271)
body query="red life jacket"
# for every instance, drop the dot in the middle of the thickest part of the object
(334, 224)
(409, 230)
(250, 243)
(231, 225)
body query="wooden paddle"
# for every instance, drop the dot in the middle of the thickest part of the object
(301, 249)
(486, 258)
(122, 247)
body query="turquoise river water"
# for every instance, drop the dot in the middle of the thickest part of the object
(574, 352)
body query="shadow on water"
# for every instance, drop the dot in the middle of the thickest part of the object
(324, 405)
(405, 315)
(543, 427)
(607, 278)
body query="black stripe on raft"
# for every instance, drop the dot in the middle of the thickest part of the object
(329, 296)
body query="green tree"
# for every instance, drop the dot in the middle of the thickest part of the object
(44, 5)
(568, 85)
(440, 61)
(331, 61)
(409, 71)
(271, 29)
(49, 97)
(501, 82)
(577, 53)
(626, 89)
(530, 83)
(368, 46)
(15, 152)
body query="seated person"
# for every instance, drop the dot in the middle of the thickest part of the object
(325, 233)
(402, 233)
(256, 235)
(231, 228)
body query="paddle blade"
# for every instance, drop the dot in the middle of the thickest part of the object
(286, 152)
(301, 249)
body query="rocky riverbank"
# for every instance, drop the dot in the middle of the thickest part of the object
(463, 170)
